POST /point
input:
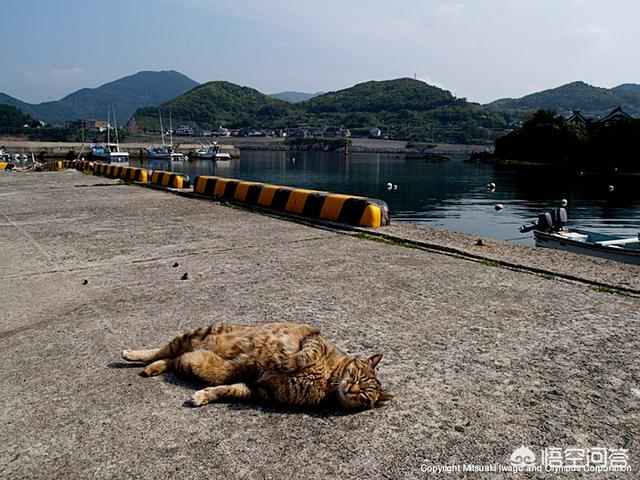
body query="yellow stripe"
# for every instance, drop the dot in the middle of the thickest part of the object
(166, 178)
(202, 181)
(178, 182)
(266, 195)
(144, 176)
(372, 217)
(3, 165)
(218, 190)
(296, 201)
(332, 206)
(242, 190)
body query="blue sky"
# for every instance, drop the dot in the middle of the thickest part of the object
(479, 49)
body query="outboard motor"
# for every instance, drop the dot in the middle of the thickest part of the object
(552, 221)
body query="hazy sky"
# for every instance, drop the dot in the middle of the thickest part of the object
(478, 49)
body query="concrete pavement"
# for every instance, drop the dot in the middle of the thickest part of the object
(482, 359)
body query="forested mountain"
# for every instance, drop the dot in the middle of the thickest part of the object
(402, 108)
(126, 95)
(592, 101)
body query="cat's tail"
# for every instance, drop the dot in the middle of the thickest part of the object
(186, 342)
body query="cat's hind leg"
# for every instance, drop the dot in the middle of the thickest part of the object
(206, 365)
(186, 342)
(146, 355)
(237, 391)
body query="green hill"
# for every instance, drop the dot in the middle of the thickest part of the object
(592, 101)
(402, 108)
(220, 103)
(126, 95)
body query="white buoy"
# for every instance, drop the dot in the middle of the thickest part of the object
(395, 187)
(499, 207)
(563, 202)
(491, 186)
(389, 186)
(610, 188)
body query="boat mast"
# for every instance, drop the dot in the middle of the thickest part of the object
(108, 125)
(161, 129)
(170, 131)
(115, 128)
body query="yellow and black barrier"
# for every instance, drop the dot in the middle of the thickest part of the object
(3, 165)
(349, 209)
(55, 165)
(121, 171)
(169, 179)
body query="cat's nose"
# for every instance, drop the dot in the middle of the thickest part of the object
(354, 389)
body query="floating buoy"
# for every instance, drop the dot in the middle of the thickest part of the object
(499, 207)
(610, 188)
(491, 186)
(395, 187)
(389, 186)
(563, 202)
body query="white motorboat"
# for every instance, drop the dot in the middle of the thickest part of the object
(550, 232)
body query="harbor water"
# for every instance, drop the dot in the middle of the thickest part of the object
(451, 195)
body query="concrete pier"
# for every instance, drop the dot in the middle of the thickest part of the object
(486, 348)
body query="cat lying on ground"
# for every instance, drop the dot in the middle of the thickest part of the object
(286, 363)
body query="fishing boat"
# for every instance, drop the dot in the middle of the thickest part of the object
(550, 231)
(212, 152)
(166, 152)
(110, 152)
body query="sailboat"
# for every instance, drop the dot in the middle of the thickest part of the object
(110, 152)
(166, 151)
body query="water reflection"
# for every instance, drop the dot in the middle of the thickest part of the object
(450, 195)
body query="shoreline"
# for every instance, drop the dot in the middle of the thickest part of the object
(233, 145)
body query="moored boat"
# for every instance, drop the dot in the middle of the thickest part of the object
(166, 152)
(212, 152)
(550, 232)
(110, 152)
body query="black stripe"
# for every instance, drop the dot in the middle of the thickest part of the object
(185, 181)
(230, 189)
(280, 198)
(313, 205)
(352, 210)
(210, 186)
(253, 193)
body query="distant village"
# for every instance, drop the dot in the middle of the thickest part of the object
(308, 131)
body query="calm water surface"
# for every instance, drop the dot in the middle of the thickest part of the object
(451, 195)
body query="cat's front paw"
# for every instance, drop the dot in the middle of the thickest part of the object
(156, 368)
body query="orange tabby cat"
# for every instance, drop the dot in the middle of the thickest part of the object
(283, 362)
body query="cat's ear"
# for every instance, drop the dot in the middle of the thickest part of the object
(374, 360)
(384, 396)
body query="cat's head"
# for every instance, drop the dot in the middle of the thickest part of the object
(359, 388)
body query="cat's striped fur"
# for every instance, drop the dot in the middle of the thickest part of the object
(282, 362)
